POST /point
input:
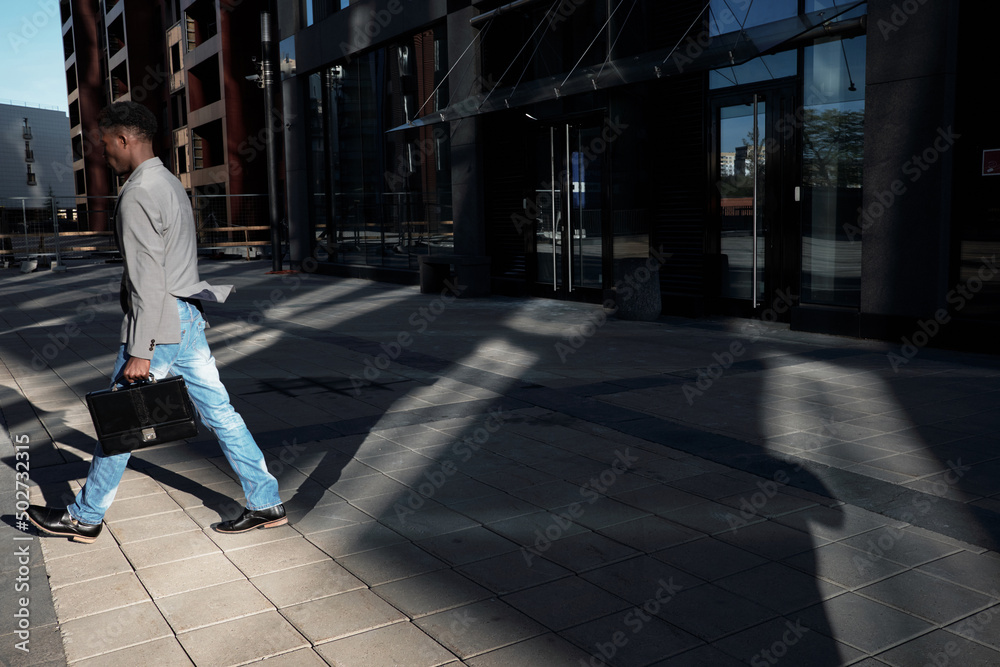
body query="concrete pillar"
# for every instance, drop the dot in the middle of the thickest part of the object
(297, 158)
(466, 152)
(909, 113)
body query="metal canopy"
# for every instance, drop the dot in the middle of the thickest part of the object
(690, 55)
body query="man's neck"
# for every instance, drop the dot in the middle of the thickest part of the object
(138, 162)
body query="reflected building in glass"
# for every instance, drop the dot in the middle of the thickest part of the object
(774, 160)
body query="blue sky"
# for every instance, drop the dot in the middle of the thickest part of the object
(32, 70)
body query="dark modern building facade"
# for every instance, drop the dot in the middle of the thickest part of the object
(813, 162)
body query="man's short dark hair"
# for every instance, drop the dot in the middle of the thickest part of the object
(129, 115)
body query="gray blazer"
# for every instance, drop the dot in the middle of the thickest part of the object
(154, 225)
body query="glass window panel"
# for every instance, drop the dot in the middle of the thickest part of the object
(732, 15)
(389, 194)
(832, 155)
(739, 156)
(820, 5)
(765, 68)
(318, 203)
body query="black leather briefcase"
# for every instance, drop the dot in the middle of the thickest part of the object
(142, 414)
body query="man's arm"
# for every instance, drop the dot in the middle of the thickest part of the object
(144, 251)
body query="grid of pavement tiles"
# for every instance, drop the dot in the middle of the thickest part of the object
(510, 482)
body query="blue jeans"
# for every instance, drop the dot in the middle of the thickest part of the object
(192, 359)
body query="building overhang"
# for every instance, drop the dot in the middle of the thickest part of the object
(694, 53)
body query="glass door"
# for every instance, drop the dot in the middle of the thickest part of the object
(754, 234)
(569, 211)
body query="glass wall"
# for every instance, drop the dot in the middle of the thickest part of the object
(832, 154)
(381, 197)
(732, 15)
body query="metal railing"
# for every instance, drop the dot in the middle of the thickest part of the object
(52, 229)
(387, 230)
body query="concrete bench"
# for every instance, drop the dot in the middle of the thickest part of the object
(471, 277)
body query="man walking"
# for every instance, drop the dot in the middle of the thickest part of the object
(163, 332)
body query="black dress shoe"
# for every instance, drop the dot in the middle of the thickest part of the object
(59, 522)
(250, 519)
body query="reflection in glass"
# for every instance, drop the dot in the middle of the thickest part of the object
(739, 157)
(732, 15)
(381, 198)
(832, 156)
(765, 68)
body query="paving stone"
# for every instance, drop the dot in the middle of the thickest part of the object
(703, 656)
(296, 585)
(835, 523)
(306, 657)
(215, 604)
(188, 575)
(234, 542)
(397, 644)
(479, 628)
(357, 488)
(326, 517)
(166, 652)
(649, 533)
(417, 520)
(538, 527)
(54, 547)
(398, 561)
(98, 634)
(587, 551)
(907, 546)
(139, 485)
(193, 477)
(140, 506)
(494, 507)
(708, 612)
(355, 539)
(168, 549)
(134, 530)
(98, 595)
(843, 565)
(771, 540)
(566, 602)
(596, 513)
(657, 499)
(468, 545)
(928, 597)
(431, 593)
(975, 571)
(548, 649)
(85, 566)
(513, 571)
(791, 638)
(458, 489)
(940, 647)
(215, 494)
(342, 615)
(243, 640)
(863, 624)
(779, 587)
(274, 556)
(641, 579)
(630, 638)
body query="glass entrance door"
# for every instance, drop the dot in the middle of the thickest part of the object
(569, 211)
(754, 171)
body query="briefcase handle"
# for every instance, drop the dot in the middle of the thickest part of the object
(149, 380)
